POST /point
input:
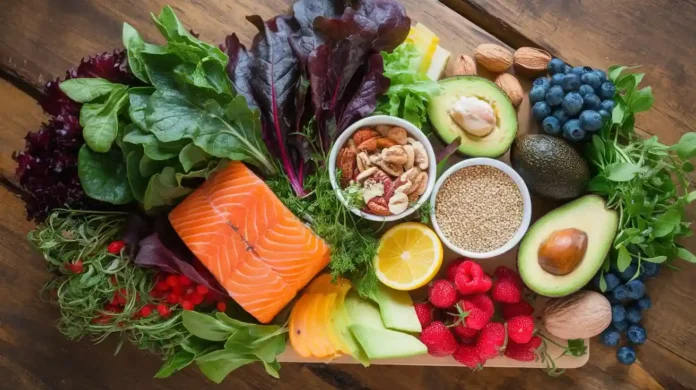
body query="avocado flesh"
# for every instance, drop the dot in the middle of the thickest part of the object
(374, 338)
(588, 214)
(396, 309)
(550, 167)
(498, 141)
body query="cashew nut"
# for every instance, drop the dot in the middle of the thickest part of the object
(364, 175)
(398, 203)
(373, 191)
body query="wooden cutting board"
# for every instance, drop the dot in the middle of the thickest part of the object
(526, 124)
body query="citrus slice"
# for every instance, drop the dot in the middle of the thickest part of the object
(409, 256)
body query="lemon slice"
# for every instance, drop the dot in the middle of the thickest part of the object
(409, 256)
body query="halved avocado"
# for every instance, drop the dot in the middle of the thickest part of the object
(565, 248)
(498, 141)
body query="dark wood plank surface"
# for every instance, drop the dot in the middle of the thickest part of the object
(39, 39)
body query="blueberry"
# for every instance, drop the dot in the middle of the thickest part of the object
(556, 66)
(591, 102)
(612, 281)
(567, 69)
(590, 120)
(572, 103)
(541, 110)
(591, 79)
(610, 337)
(607, 105)
(636, 334)
(572, 131)
(618, 313)
(636, 289)
(628, 273)
(538, 93)
(542, 82)
(551, 125)
(585, 90)
(556, 79)
(555, 95)
(621, 325)
(626, 355)
(602, 75)
(607, 90)
(561, 115)
(571, 82)
(605, 115)
(645, 303)
(620, 292)
(611, 299)
(650, 269)
(578, 70)
(633, 314)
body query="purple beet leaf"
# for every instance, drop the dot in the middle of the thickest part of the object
(364, 100)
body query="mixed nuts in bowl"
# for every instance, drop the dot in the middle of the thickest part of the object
(382, 168)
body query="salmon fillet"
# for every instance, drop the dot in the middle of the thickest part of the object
(258, 250)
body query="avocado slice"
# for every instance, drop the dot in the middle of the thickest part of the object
(565, 248)
(495, 143)
(376, 340)
(396, 309)
(550, 167)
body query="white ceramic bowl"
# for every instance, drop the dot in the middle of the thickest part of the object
(526, 207)
(413, 132)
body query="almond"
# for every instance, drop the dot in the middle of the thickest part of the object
(511, 86)
(461, 65)
(531, 61)
(493, 57)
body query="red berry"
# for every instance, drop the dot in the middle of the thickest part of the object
(470, 315)
(424, 312)
(202, 289)
(122, 296)
(187, 305)
(163, 310)
(468, 356)
(162, 285)
(439, 340)
(521, 308)
(196, 298)
(157, 294)
(486, 283)
(172, 280)
(76, 267)
(209, 299)
(491, 340)
(523, 352)
(469, 278)
(145, 311)
(506, 273)
(113, 279)
(221, 306)
(452, 268)
(506, 291)
(466, 335)
(483, 302)
(442, 294)
(115, 247)
(172, 298)
(184, 280)
(520, 329)
(178, 289)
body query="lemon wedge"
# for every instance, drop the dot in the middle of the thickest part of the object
(409, 256)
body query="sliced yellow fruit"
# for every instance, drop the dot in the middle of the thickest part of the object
(409, 256)
(298, 327)
(426, 42)
(318, 341)
(324, 284)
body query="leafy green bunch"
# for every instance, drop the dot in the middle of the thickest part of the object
(70, 236)
(646, 181)
(155, 144)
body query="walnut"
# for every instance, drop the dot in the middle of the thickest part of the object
(363, 135)
(395, 155)
(346, 163)
(378, 206)
(421, 156)
(410, 153)
(398, 134)
(389, 168)
(363, 161)
(373, 191)
(398, 203)
(383, 130)
(364, 175)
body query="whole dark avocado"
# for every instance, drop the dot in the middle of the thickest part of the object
(551, 167)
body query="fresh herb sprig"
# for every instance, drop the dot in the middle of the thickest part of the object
(646, 181)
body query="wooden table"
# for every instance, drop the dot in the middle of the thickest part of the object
(39, 39)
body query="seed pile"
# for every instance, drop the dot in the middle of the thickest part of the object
(479, 208)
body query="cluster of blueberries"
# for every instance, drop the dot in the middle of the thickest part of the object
(573, 102)
(628, 301)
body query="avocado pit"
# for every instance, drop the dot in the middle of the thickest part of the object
(562, 251)
(474, 116)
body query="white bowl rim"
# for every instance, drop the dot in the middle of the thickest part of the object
(413, 132)
(526, 207)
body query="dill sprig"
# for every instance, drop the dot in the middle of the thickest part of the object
(85, 298)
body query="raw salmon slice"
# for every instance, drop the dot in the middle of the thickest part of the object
(259, 251)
